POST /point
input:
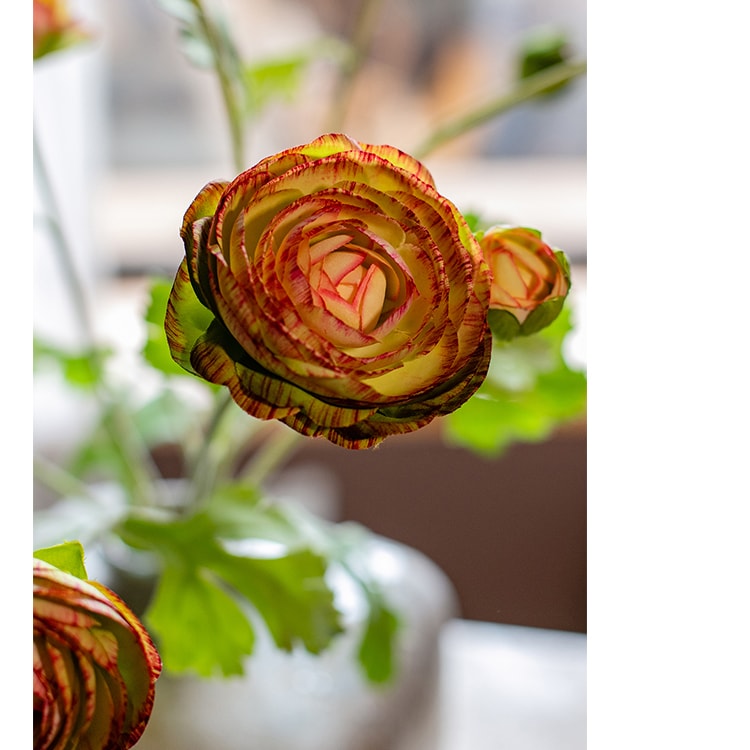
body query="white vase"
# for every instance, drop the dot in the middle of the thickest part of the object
(301, 701)
(298, 700)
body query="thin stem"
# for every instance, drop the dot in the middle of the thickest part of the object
(224, 57)
(271, 455)
(133, 457)
(65, 254)
(525, 89)
(364, 28)
(204, 470)
(58, 480)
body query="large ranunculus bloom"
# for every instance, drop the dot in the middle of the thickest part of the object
(94, 665)
(530, 280)
(333, 288)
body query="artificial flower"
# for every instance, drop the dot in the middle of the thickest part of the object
(333, 288)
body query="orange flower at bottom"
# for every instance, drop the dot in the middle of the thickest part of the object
(95, 666)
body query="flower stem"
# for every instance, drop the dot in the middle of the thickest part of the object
(524, 90)
(58, 480)
(271, 455)
(227, 66)
(64, 254)
(133, 457)
(203, 475)
(364, 27)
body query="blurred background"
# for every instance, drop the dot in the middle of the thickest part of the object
(131, 132)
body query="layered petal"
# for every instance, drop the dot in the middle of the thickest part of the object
(530, 280)
(95, 666)
(341, 293)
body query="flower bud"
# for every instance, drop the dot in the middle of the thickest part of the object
(95, 665)
(530, 281)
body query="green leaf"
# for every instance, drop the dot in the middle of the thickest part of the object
(289, 591)
(237, 514)
(504, 325)
(528, 392)
(479, 223)
(542, 316)
(543, 48)
(81, 369)
(166, 418)
(474, 220)
(200, 626)
(489, 425)
(67, 557)
(281, 77)
(273, 79)
(377, 646)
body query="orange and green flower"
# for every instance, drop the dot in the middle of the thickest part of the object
(54, 28)
(530, 280)
(95, 665)
(333, 288)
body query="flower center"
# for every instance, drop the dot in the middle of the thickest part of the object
(351, 278)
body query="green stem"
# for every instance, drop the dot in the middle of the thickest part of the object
(525, 89)
(360, 44)
(65, 254)
(58, 480)
(271, 455)
(225, 59)
(203, 475)
(133, 457)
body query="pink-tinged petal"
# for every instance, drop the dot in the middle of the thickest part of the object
(402, 160)
(350, 297)
(95, 665)
(526, 274)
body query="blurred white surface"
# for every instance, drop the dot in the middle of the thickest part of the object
(506, 686)
(461, 685)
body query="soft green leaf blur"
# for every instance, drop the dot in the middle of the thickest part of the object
(237, 513)
(376, 648)
(67, 556)
(81, 369)
(85, 518)
(530, 391)
(98, 455)
(165, 418)
(273, 79)
(544, 47)
(280, 78)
